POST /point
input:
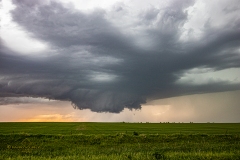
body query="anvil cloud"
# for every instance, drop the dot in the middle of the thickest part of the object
(108, 59)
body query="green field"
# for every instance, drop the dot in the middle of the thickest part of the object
(119, 141)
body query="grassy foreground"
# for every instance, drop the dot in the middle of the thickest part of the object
(119, 141)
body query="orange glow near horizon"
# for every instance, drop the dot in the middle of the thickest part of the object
(217, 107)
(49, 118)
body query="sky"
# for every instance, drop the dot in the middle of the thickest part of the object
(120, 60)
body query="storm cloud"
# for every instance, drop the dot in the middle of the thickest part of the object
(110, 59)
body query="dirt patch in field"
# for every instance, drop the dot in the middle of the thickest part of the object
(81, 127)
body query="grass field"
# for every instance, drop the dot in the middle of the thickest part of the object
(119, 141)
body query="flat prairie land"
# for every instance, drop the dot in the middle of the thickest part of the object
(103, 141)
(86, 128)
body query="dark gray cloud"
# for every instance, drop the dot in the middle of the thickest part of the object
(20, 100)
(96, 64)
